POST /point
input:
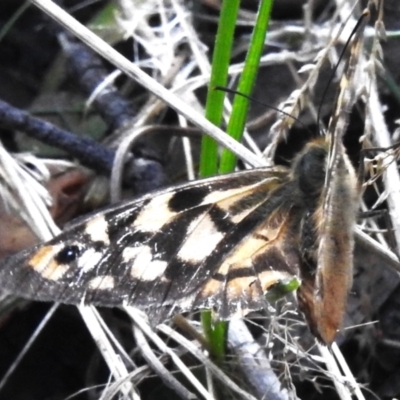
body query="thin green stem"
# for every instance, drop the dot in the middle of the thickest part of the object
(215, 333)
(14, 18)
(240, 104)
(219, 77)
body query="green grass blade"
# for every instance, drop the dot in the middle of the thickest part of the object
(240, 105)
(219, 77)
(215, 333)
(9, 24)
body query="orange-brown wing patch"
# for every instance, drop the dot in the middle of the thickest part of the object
(265, 257)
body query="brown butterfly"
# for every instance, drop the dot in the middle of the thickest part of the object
(219, 243)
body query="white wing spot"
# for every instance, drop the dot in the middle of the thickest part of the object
(155, 214)
(89, 260)
(130, 253)
(202, 238)
(143, 266)
(102, 282)
(97, 229)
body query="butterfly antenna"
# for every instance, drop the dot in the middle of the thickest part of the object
(359, 23)
(232, 91)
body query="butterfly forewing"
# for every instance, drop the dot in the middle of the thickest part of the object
(204, 244)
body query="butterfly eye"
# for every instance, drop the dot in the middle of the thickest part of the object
(68, 254)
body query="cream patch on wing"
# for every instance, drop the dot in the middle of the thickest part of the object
(270, 278)
(143, 266)
(242, 255)
(211, 288)
(43, 263)
(227, 198)
(97, 229)
(130, 253)
(89, 260)
(245, 285)
(241, 287)
(242, 215)
(102, 282)
(155, 214)
(202, 238)
(225, 195)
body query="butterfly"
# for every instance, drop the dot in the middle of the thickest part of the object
(219, 243)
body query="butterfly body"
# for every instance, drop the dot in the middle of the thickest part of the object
(327, 244)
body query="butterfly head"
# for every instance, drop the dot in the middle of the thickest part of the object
(309, 167)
